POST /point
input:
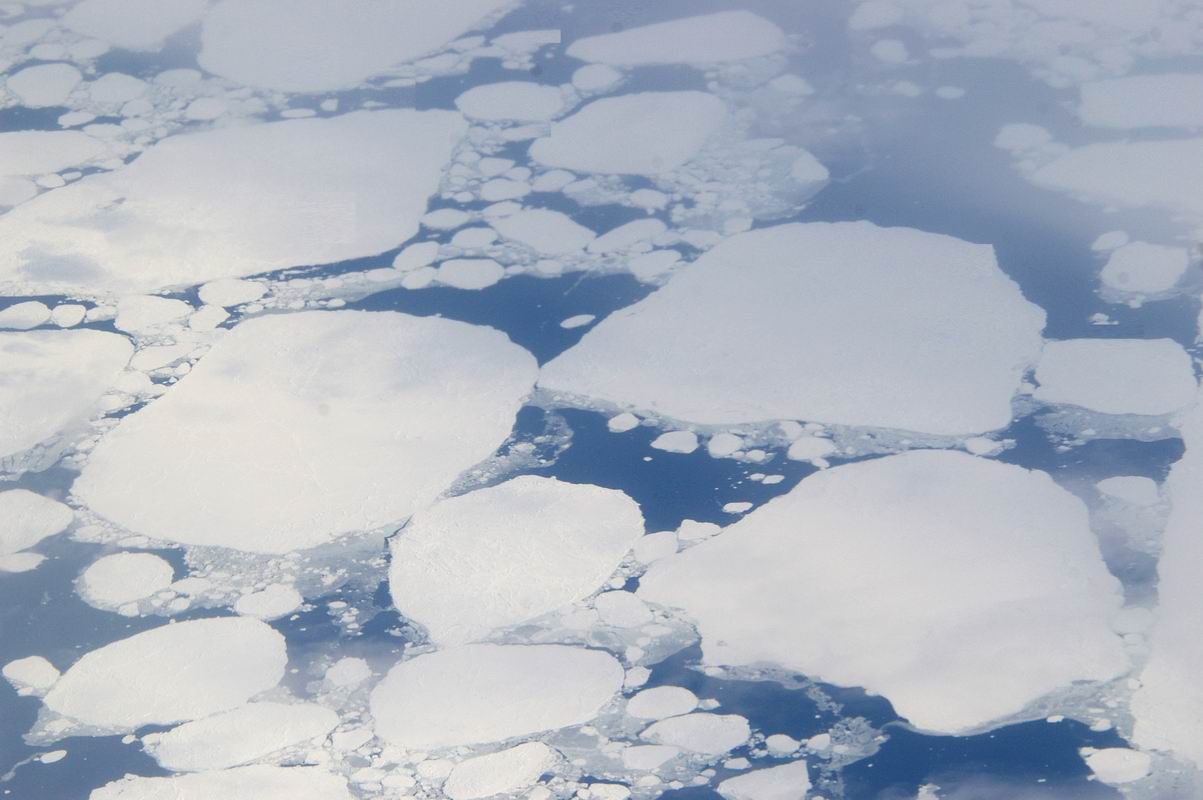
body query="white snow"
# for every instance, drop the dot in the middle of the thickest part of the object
(308, 191)
(501, 555)
(676, 442)
(38, 152)
(229, 292)
(244, 783)
(1118, 765)
(172, 673)
(524, 101)
(323, 45)
(121, 578)
(959, 588)
(44, 84)
(52, 379)
(662, 701)
(703, 39)
(133, 24)
(298, 428)
(499, 773)
(32, 672)
(274, 600)
(814, 321)
(238, 736)
(1133, 489)
(483, 693)
(1169, 703)
(646, 133)
(547, 232)
(1144, 101)
(1116, 376)
(1144, 267)
(786, 782)
(712, 734)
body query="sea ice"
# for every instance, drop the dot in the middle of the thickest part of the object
(28, 518)
(547, 232)
(958, 587)
(38, 152)
(1144, 267)
(498, 556)
(133, 24)
(1117, 765)
(295, 429)
(786, 782)
(1134, 489)
(32, 672)
(1117, 376)
(121, 578)
(711, 734)
(662, 701)
(497, 773)
(703, 39)
(848, 308)
(524, 101)
(1144, 101)
(259, 782)
(44, 84)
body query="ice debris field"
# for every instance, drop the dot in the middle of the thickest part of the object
(747, 399)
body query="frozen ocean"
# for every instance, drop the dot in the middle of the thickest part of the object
(601, 399)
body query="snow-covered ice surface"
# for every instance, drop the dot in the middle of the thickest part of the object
(548, 400)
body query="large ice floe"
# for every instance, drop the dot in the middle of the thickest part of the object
(822, 322)
(959, 588)
(704, 39)
(196, 668)
(298, 428)
(51, 380)
(233, 202)
(481, 693)
(502, 555)
(243, 783)
(1117, 376)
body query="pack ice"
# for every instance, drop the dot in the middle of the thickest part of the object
(704, 39)
(234, 202)
(297, 428)
(243, 783)
(846, 323)
(959, 588)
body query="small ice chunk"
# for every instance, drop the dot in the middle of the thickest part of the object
(1168, 100)
(737, 507)
(786, 782)
(781, 745)
(982, 445)
(662, 701)
(711, 734)
(116, 87)
(547, 232)
(484, 693)
(28, 518)
(621, 423)
(348, 672)
(497, 773)
(1146, 268)
(271, 602)
(469, 273)
(808, 169)
(44, 85)
(20, 562)
(122, 578)
(501, 555)
(691, 530)
(68, 315)
(595, 78)
(415, 256)
(702, 39)
(676, 442)
(239, 736)
(649, 266)
(445, 219)
(32, 672)
(810, 448)
(207, 318)
(1133, 489)
(503, 189)
(577, 321)
(1118, 765)
(140, 313)
(644, 133)
(256, 782)
(23, 316)
(524, 101)
(724, 444)
(1117, 376)
(172, 673)
(624, 236)
(230, 292)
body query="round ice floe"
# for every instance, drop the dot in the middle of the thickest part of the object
(348, 672)
(662, 701)
(516, 100)
(32, 673)
(642, 134)
(272, 601)
(123, 578)
(172, 673)
(1117, 376)
(547, 232)
(849, 307)
(44, 84)
(1117, 765)
(1145, 268)
(23, 316)
(786, 782)
(51, 379)
(27, 518)
(501, 555)
(227, 292)
(296, 429)
(244, 783)
(483, 693)
(703, 39)
(676, 442)
(499, 773)
(959, 588)
(712, 734)
(239, 736)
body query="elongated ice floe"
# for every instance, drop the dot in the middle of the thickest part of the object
(233, 202)
(322, 45)
(298, 428)
(243, 783)
(640, 134)
(499, 773)
(511, 100)
(959, 588)
(239, 736)
(786, 782)
(710, 734)
(482, 693)
(173, 673)
(502, 555)
(50, 380)
(1169, 703)
(1172, 100)
(704, 39)
(28, 518)
(844, 323)
(1117, 376)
